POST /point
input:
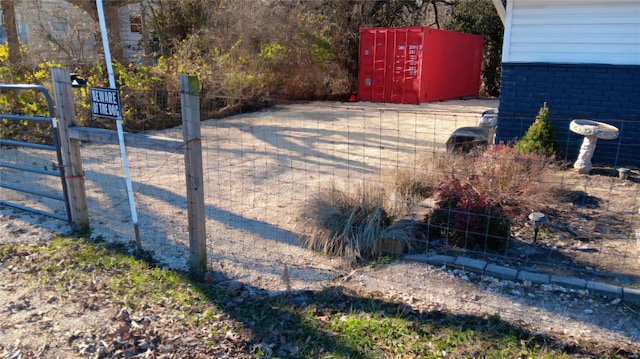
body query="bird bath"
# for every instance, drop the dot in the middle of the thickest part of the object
(592, 131)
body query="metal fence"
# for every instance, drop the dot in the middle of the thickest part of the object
(51, 160)
(261, 168)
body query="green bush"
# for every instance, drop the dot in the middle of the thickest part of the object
(25, 102)
(144, 98)
(146, 103)
(540, 137)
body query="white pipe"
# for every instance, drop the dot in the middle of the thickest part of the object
(105, 44)
(501, 11)
(123, 149)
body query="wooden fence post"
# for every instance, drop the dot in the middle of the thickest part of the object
(71, 159)
(190, 101)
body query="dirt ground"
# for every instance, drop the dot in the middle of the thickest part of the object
(260, 167)
(591, 231)
(41, 320)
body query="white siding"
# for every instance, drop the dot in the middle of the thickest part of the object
(131, 46)
(55, 30)
(573, 31)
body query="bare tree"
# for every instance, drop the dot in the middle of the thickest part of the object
(174, 21)
(9, 19)
(69, 36)
(439, 6)
(112, 21)
(346, 17)
(145, 33)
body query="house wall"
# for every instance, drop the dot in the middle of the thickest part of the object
(573, 31)
(593, 76)
(131, 39)
(608, 93)
(55, 30)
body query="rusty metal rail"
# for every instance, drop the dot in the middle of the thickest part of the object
(58, 168)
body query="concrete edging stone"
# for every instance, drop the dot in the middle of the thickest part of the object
(506, 273)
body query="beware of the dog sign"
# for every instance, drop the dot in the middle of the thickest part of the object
(105, 103)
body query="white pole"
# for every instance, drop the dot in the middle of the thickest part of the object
(501, 11)
(123, 150)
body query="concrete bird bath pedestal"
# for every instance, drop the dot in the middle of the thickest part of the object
(592, 131)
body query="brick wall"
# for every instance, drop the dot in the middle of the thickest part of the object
(604, 93)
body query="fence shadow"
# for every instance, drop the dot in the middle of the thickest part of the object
(289, 147)
(282, 322)
(178, 202)
(329, 299)
(315, 146)
(285, 324)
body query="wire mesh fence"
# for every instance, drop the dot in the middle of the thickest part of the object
(266, 165)
(261, 170)
(160, 198)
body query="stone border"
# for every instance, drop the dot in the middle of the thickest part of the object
(506, 273)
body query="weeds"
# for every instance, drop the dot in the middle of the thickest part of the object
(404, 188)
(468, 218)
(477, 196)
(513, 179)
(340, 224)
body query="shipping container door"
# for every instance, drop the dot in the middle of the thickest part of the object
(365, 68)
(413, 71)
(380, 66)
(373, 66)
(396, 48)
(403, 81)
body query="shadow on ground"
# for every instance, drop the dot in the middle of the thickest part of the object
(334, 322)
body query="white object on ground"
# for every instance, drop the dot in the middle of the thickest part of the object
(638, 235)
(623, 173)
(638, 240)
(592, 131)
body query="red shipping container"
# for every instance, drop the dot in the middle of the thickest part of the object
(418, 64)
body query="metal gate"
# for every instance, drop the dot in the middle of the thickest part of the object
(58, 169)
